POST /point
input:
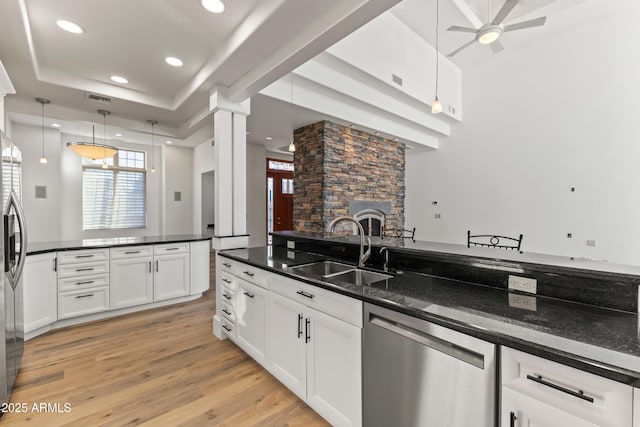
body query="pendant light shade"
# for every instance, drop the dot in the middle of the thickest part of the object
(436, 106)
(43, 102)
(92, 150)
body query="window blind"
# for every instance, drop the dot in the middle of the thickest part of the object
(113, 198)
(7, 168)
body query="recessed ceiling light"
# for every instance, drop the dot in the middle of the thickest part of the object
(268, 138)
(213, 6)
(174, 62)
(69, 26)
(352, 126)
(55, 125)
(169, 142)
(118, 135)
(119, 79)
(377, 133)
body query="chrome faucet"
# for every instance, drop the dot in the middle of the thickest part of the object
(385, 249)
(364, 256)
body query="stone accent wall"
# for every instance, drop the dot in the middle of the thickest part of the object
(335, 164)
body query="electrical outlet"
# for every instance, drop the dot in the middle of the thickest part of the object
(291, 244)
(591, 242)
(524, 284)
(524, 302)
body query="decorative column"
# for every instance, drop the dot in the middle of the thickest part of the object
(230, 180)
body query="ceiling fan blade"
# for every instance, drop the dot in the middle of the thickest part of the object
(462, 29)
(496, 46)
(526, 24)
(463, 47)
(506, 9)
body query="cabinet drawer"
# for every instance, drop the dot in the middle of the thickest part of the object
(172, 248)
(83, 269)
(227, 265)
(84, 282)
(228, 295)
(227, 311)
(88, 255)
(83, 302)
(131, 252)
(228, 328)
(598, 400)
(254, 275)
(228, 280)
(331, 303)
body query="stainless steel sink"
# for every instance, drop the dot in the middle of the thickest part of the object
(335, 272)
(321, 269)
(358, 277)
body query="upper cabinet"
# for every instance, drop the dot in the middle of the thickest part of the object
(6, 88)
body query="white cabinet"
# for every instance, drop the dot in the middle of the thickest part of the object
(250, 308)
(636, 407)
(171, 276)
(83, 282)
(40, 292)
(538, 392)
(131, 280)
(317, 355)
(200, 258)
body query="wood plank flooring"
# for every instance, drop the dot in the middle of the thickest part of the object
(162, 367)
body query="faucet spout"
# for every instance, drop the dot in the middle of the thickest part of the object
(364, 256)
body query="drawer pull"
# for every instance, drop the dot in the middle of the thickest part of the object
(85, 269)
(226, 264)
(84, 296)
(225, 280)
(226, 296)
(172, 249)
(307, 330)
(579, 394)
(132, 252)
(248, 273)
(55, 264)
(250, 295)
(227, 312)
(149, 266)
(299, 325)
(84, 256)
(305, 294)
(86, 282)
(157, 267)
(226, 328)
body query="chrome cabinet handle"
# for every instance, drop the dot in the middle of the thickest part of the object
(307, 329)
(84, 269)
(149, 266)
(226, 328)
(157, 267)
(224, 279)
(248, 273)
(226, 296)
(226, 264)
(305, 294)
(250, 295)
(579, 394)
(172, 249)
(84, 256)
(299, 325)
(132, 252)
(227, 312)
(84, 296)
(55, 264)
(86, 282)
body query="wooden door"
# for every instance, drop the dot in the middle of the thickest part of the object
(279, 197)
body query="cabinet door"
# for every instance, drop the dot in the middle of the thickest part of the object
(287, 350)
(199, 254)
(40, 291)
(250, 309)
(334, 369)
(131, 282)
(171, 276)
(528, 412)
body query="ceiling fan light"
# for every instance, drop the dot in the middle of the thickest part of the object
(436, 106)
(489, 35)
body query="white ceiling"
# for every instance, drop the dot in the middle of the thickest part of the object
(131, 38)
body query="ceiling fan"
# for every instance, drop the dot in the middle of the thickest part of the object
(490, 32)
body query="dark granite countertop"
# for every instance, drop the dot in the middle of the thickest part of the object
(598, 340)
(70, 245)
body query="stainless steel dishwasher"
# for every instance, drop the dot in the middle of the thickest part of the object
(416, 373)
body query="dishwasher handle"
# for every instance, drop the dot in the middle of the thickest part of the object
(428, 340)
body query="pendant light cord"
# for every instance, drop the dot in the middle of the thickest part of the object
(42, 130)
(437, 54)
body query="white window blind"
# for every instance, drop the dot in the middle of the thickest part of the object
(114, 198)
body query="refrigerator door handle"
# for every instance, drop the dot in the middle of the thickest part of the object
(14, 276)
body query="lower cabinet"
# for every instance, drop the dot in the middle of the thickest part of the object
(539, 392)
(171, 276)
(40, 291)
(131, 281)
(251, 320)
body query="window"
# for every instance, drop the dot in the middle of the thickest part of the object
(114, 198)
(11, 172)
(280, 166)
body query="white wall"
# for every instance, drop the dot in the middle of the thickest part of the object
(203, 161)
(539, 120)
(178, 164)
(43, 215)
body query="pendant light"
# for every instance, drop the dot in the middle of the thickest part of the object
(436, 106)
(292, 146)
(153, 123)
(104, 113)
(92, 150)
(43, 101)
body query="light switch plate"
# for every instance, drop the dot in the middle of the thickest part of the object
(523, 284)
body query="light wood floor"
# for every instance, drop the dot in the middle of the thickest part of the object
(161, 367)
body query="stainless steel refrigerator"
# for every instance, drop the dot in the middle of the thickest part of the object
(12, 256)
